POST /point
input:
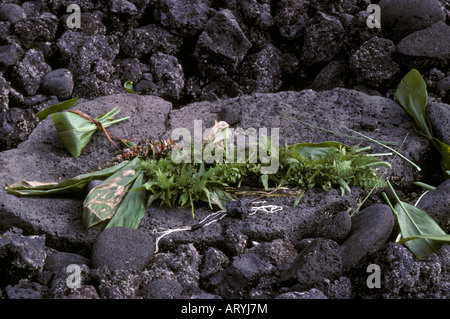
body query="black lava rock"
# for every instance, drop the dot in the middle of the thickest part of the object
(184, 17)
(122, 248)
(15, 127)
(58, 82)
(371, 227)
(320, 259)
(28, 73)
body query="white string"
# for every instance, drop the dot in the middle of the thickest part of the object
(167, 232)
(268, 209)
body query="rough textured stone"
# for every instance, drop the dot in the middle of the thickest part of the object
(12, 12)
(16, 126)
(371, 227)
(161, 289)
(279, 252)
(58, 288)
(439, 115)
(59, 260)
(426, 48)
(90, 24)
(116, 284)
(28, 73)
(91, 87)
(331, 110)
(37, 29)
(256, 13)
(24, 290)
(318, 260)
(323, 39)
(21, 257)
(10, 55)
(336, 227)
(4, 94)
(261, 72)
(403, 17)
(123, 7)
(331, 76)
(184, 17)
(236, 279)
(58, 82)
(443, 89)
(223, 88)
(404, 277)
(222, 44)
(122, 248)
(182, 266)
(168, 75)
(149, 39)
(130, 70)
(437, 204)
(373, 64)
(214, 261)
(313, 293)
(291, 18)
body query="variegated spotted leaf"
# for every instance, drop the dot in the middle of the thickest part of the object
(104, 200)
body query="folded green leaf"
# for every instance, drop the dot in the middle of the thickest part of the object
(29, 188)
(104, 200)
(65, 105)
(75, 131)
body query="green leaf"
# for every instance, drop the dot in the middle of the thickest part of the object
(65, 105)
(265, 181)
(104, 200)
(27, 188)
(220, 198)
(75, 131)
(315, 150)
(128, 85)
(414, 222)
(442, 238)
(132, 208)
(412, 95)
(418, 227)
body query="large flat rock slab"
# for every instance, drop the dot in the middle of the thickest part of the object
(42, 158)
(376, 117)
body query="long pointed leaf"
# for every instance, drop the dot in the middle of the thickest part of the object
(65, 105)
(31, 188)
(442, 238)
